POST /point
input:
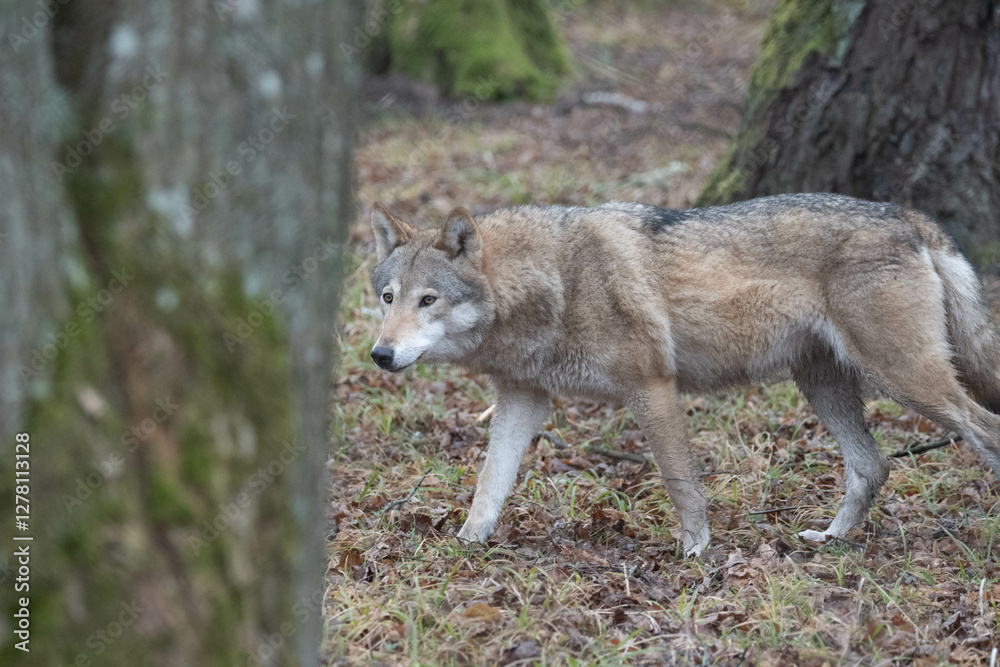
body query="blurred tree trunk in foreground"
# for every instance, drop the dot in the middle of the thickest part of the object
(890, 101)
(174, 198)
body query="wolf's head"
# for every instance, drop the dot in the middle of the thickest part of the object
(436, 302)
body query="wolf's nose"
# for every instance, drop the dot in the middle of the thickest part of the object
(382, 356)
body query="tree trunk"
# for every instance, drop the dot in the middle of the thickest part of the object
(487, 49)
(889, 101)
(174, 200)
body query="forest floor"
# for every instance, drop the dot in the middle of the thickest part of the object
(585, 566)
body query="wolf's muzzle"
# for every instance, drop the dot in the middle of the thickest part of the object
(382, 356)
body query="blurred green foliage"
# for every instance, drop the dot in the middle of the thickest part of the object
(488, 49)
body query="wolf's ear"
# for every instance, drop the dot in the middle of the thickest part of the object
(390, 232)
(460, 235)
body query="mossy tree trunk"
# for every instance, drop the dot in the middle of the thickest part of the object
(889, 101)
(174, 199)
(474, 48)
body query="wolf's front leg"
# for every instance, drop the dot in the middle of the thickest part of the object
(516, 419)
(657, 408)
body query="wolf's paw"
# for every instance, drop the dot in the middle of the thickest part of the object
(475, 531)
(694, 550)
(814, 536)
(694, 544)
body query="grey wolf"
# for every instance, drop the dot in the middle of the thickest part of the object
(637, 304)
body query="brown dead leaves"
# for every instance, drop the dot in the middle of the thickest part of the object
(740, 571)
(479, 611)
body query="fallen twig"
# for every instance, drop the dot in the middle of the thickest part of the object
(850, 543)
(554, 438)
(396, 504)
(616, 100)
(486, 414)
(782, 509)
(617, 454)
(926, 448)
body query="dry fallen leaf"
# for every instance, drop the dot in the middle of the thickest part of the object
(735, 558)
(431, 480)
(521, 652)
(349, 558)
(769, 558)
(480, 611)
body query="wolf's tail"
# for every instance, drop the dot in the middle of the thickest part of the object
(971, 328)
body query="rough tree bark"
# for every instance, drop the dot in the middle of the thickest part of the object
(890, 101)
(174, 199)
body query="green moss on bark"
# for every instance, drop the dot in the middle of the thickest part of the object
(134, 505)
(480, 48)
(797, 30)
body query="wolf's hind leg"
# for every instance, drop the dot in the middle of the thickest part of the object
(658, 410)
(516, 419)
(934, 391)
(901, 343)
(836, 398)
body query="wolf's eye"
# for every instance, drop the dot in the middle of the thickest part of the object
(387, 297)
(428, 300)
